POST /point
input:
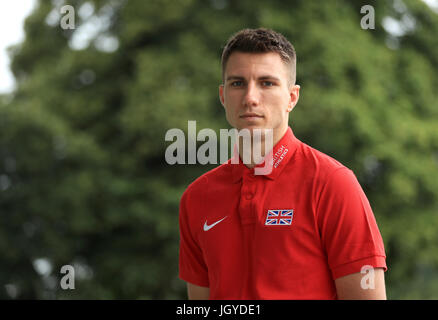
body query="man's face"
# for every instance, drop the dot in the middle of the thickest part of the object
(257, 92)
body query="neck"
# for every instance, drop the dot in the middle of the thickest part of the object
(252, 150)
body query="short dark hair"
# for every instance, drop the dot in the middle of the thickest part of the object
(260, 40)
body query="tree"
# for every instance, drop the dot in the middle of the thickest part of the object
(83, 180)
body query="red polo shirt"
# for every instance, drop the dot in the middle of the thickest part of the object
(286, 235)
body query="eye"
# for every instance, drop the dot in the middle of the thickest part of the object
(236, 83)
(267, 83)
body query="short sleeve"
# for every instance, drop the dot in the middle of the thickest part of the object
(348, 228)
(191, 263)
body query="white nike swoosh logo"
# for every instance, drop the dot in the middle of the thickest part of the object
(208, 227)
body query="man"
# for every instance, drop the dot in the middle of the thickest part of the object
(303, 231)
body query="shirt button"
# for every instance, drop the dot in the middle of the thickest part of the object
(249, 196)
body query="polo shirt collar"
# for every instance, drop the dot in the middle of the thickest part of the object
(282, 152)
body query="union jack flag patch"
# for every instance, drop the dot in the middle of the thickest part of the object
(279, 217)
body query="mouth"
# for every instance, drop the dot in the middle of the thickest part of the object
(251, 116)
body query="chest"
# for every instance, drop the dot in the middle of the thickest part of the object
(258, 219)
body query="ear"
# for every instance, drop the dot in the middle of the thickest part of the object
(294, 96)
(221, 95)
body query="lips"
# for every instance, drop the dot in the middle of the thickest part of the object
(251, 116)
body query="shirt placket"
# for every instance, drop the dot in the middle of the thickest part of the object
(247, 198)
(247, 213)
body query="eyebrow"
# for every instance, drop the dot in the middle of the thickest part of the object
(265, 77)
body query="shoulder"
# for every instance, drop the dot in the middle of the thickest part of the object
(204, 183)
(319, 165)
(325, 175)
(332, 183)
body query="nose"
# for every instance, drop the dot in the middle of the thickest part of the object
(251, 98)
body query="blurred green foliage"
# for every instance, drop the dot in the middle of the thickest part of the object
(83, 179)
